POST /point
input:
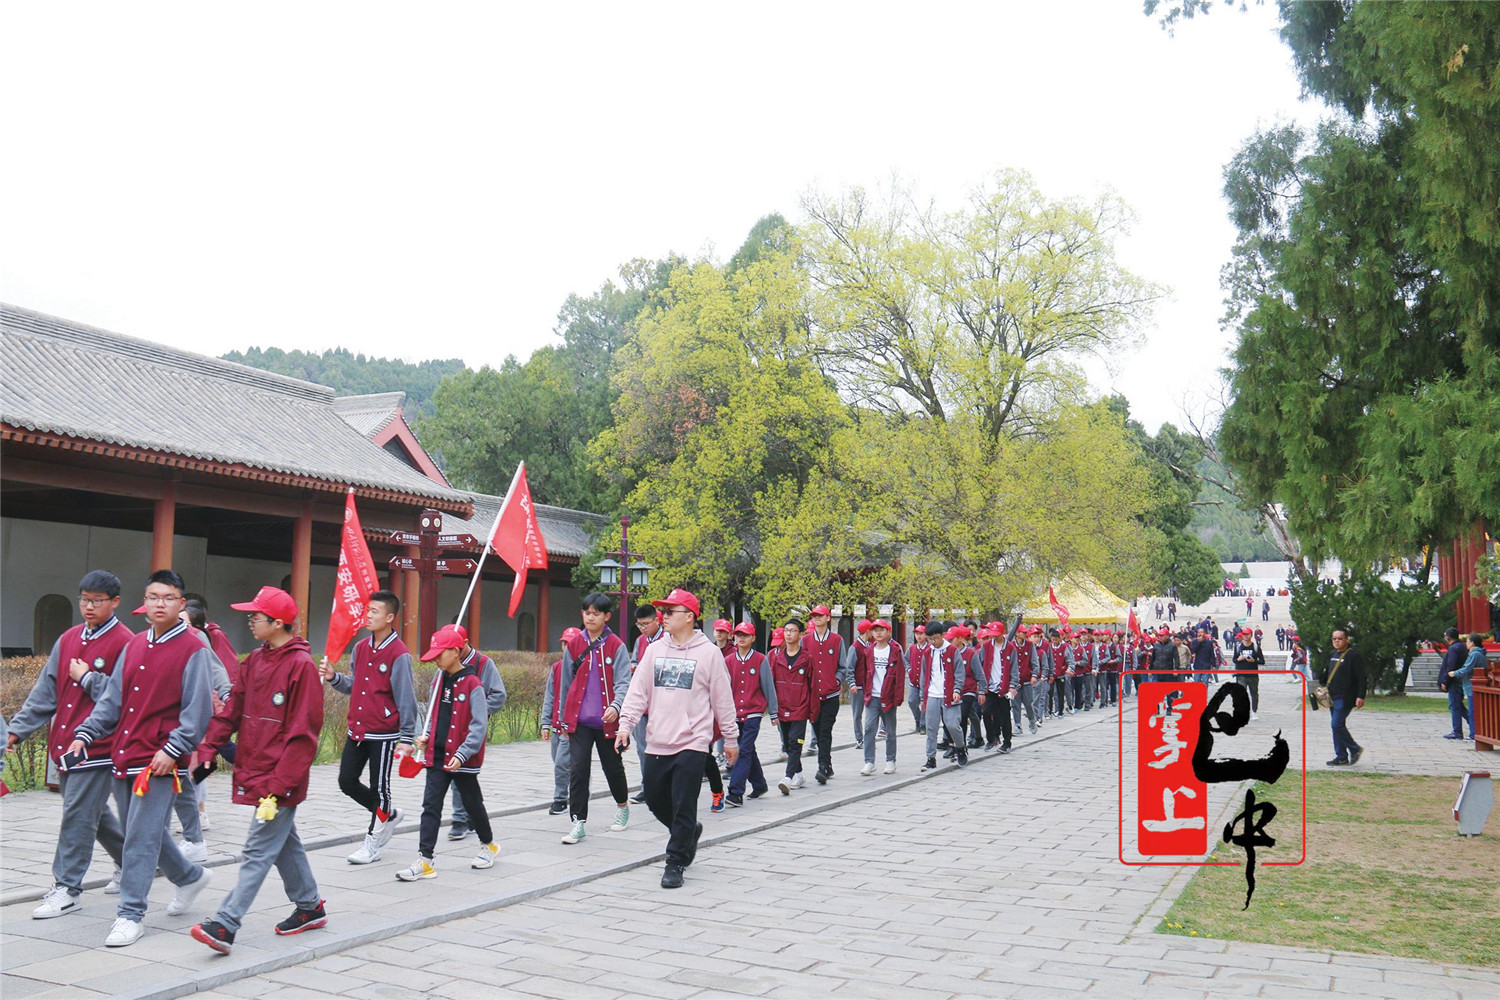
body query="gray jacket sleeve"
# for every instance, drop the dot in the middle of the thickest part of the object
(623, 670)
(846, 665)
(976, 670)
(404, 692)
(768, 688)
(342, 683)
(479, 724)
(106, 714)
(196, 708)
(494, 687)
(42, 701)
(547, 701)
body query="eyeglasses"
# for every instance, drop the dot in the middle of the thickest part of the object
(676, 611)
(160, 599)
(256, 619)
(93, 602)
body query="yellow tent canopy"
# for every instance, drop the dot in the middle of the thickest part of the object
(1087, 601)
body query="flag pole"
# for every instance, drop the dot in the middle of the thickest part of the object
(489, 541)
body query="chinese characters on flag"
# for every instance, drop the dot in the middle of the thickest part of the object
(355, 582)
(516, 537)
(1172, 804)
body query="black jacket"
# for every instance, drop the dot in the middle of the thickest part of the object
(1349, 682)
(1164, 658)
(1452, 660)
(1257, 658)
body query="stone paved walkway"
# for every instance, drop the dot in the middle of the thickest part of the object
(997, 880)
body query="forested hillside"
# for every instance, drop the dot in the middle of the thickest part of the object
(350, 374)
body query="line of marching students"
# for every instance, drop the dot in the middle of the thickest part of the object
(134, 718)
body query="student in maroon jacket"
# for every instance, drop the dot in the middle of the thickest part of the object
(78, 669)
(754, 692)
(791, 671)
(919, 652)
(825, 649)
(161, 715)
(880, 675)
(453, 743)
(277, 709)
(553, 733)
(382, 720)
(494, 697)
(595, 676)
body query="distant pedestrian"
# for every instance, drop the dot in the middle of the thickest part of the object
(1171, 611)
(1344, 676)
(1265, 611)
(1474, 664)
(1453, 659)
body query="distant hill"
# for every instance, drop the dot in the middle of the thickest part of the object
(350, 374)
(1225, 528)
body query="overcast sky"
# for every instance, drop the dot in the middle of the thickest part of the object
(432, 180)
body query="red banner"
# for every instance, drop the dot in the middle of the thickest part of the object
(352, 588)
(1057, 609)
(516, 537)
(1135, 626)
(1172, 803)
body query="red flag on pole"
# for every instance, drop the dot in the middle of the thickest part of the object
(516, 537)
(1058, 609)
(352, 588)
(1135, 626)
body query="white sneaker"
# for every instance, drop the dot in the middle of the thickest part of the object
(185, 894)
(421, 868)
(368, 852)
(203, 818)
(799, 780)
(196, 852)
(1253, 716)
(385, 831)
(113, 889)
(867, 770)
(785, 786)
(125, 931)
(622, 820)
(486, 856)
(890, 767)
(57, 902)
(576, 834)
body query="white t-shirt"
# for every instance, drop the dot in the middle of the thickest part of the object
(935, 672)
(881, 658)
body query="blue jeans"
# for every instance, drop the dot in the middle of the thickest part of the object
(1343, 743)
(747, 764)
(1457, 710)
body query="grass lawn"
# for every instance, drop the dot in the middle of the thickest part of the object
(1425, 703)
(1386, 873)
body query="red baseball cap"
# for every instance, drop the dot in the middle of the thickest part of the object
(863, 625)
(723, 625)
(463, 633)
(140, 610)
(679, 596)
(821, 609)
(920, 630)
(446, 637)
(778, 636)
(273, 602)
(744, 628)
(881, 623)
(570, 633)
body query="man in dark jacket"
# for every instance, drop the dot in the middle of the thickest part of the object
(1164, 657)
(1453, 659)
(1344, 676)
(1248, 658)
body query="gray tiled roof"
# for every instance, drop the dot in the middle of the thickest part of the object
(371, 412)
(80, 381)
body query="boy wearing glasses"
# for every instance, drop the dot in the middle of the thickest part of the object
(158, 700)
(76, 672)
(277, 709)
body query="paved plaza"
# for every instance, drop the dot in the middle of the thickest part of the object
(997, 880)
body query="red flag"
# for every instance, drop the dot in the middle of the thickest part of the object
(352, 588)
(516, 537)
(1058, 609)
(1135, 626)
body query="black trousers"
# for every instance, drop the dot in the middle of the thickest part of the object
(377, 755)
(969, 720)
(714, 775)
(792, 735)
(997, 719)
(828, 711)
(436, 793)
(581, 745)
(672, 783)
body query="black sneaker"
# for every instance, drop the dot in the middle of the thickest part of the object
(756, 793)
(931, 764)
(1355, 755)
(639, 797)
(963, 759)
(1337, 762)
(822, 777)
(693, 847)
(304, 920)
(734, 800)
(1005, 748)
(215, 935)
(560, 806)
(458, 831)
(671, 878)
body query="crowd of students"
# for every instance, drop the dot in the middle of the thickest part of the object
(143, 719)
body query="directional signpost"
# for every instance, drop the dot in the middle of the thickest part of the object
(430, 566)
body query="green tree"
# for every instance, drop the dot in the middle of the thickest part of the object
(350, 374)
(1366, 378)
(1384, 622)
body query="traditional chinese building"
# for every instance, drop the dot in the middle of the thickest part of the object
(122, 454)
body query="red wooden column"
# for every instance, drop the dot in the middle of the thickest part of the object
(302, 565)
(1457, 568)
(409, 625)
(473, 625)
(543, 612)
(163, 527)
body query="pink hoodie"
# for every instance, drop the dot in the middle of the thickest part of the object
(682, 690)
